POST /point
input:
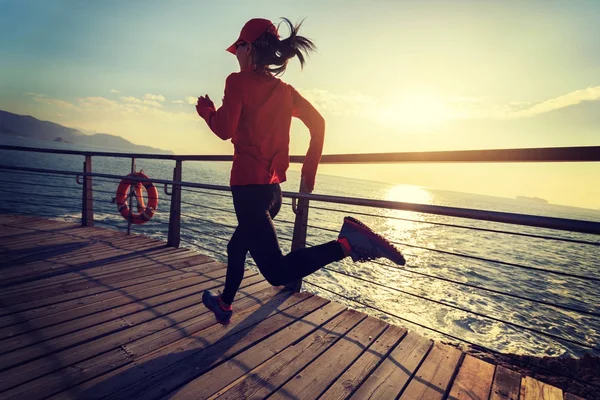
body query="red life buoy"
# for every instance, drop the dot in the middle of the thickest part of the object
(145, 213)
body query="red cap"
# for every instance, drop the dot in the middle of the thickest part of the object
(252, 31)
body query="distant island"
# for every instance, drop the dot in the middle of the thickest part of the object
(532, 199)
(33, 128)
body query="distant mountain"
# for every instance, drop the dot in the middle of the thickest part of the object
(30, 127)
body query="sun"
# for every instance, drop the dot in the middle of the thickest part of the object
(417, 109)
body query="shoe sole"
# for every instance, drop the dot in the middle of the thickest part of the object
(383, 241)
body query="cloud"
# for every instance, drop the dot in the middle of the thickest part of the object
(177, 102)
(351, 103)
(191, 99)
(55, 102)
(152, 103)
(35, 94)
(569, 99)
(114, 91)
(130, 99)
(154, 97)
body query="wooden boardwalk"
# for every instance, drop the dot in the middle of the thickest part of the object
(90, 313)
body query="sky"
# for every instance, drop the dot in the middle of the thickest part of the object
(389, 76)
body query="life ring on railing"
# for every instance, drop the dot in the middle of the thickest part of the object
(145, 212)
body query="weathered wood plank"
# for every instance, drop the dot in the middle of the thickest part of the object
(120, 306)
(394, 372)
(54, 338)
(433, 376)
(507, 384)
(318, 375)
(532, 389)
(180, 364)
(102, 292)
(173, 281)
(365, 365)
(98, 268)
(100, 356)
(283, 361)
(474, 380)
(103, 274)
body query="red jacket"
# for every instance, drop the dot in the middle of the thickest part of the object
(256, 115)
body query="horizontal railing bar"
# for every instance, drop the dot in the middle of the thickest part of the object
(222, 188)
(490, 260)
(470, 285)
(512, 295)
(475, 228)
(227, 211)
(209, 221)
(579, 226)
(46, 195)
(38, 204)
(199, 246)
(544, 154)
(74, 186)
(445, 304)
(205, 233)
(562, 224)
(208, 207)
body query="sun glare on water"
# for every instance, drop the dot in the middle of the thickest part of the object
(406, 194)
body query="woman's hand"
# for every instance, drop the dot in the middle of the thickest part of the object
(307, 185)
(204, 106)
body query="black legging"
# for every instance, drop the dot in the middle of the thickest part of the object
(255, 206)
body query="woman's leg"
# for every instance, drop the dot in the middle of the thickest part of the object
(264, 245)
(236, 259)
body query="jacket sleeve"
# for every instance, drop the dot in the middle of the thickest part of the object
(304, 111)
(224, 121)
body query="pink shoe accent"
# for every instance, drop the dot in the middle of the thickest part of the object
(345, 246)
(224, 306)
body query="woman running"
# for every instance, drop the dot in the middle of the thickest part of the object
(256, 115)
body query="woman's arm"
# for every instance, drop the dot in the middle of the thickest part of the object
(304, 111)
(224, 121)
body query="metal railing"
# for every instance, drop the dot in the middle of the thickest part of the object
(301, 203)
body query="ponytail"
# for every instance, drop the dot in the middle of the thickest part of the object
(273, 54)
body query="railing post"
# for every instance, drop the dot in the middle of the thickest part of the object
(300, 227)
(175, 214)
(87, 206)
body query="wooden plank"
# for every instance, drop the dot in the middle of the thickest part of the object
(191, 357)
(474, 380)
(318, 375)
(365, 365)
(75, 254)
(47, 243)
(433, 376)
(395, 371)
(145, 353)
(145, 298)
(250, 375)
(177, 279)
(88, 358)
(101, 274)
(75, 269)
(507, 384)
(58, 336)
(155, 333)
(97, 292)
(532, 389)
